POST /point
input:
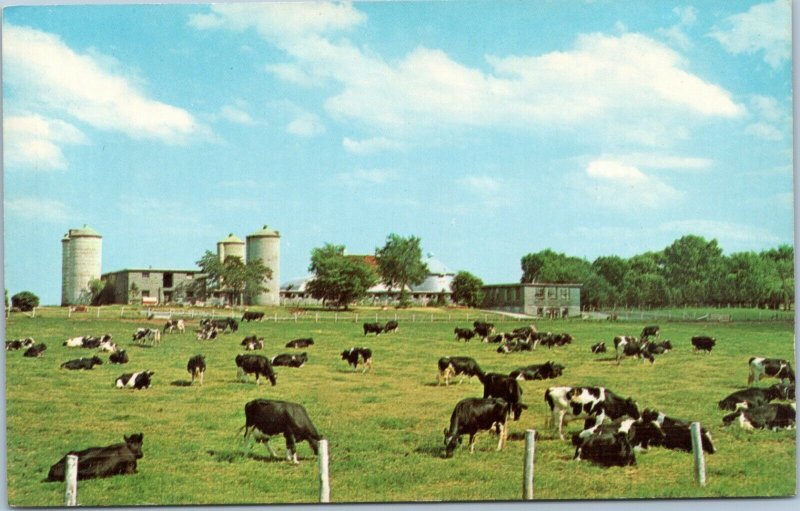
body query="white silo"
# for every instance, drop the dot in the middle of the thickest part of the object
(265, 244)
(65, 270)
(84, 261)
(230, 246)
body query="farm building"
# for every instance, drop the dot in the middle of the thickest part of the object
(151, 285)
(540, 299)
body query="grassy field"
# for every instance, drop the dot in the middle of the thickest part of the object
(384, 427)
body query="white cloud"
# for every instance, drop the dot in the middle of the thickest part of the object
(687, 16)
(45, 72)
(773, 121)
(481, 184)
(366, 176)
(34, 142)
(764, 131)
(45, 210)
(306, 124)
(729, 232)
(616, 185)
(370, 145)
(763, 28)
(236, 115)
(662, 161)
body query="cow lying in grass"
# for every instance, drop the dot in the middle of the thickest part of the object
(754, 397)
(102, 461)
(771, 416)
(82, 363)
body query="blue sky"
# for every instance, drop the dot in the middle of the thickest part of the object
(488, 129)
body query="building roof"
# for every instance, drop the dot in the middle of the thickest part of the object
(435, 266)
(265, 232)
(517, 284)
(154, 270)
(84, 231)
(232, 239)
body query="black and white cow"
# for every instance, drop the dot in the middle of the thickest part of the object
(290, 360)
(252, 316)
(82, 363)
(102, 461)
(472, 415)
(35, 351)
(650, 331)
(463, 333)
(136, 381)
(108, 347)
(568, 403)
(207, 332)
(254, 344)
(373, 328)
(174, 324)
(703, 343)
(600, 347)
(391, 326)
(266, 417)
(453, 366)
(505, 387)
(754, 397)
(515, 346)
(147, 334)
(255, 364)
(355, 355)
(772, 416)
(300, 343)
(17, 344)
(118, 357)
(544, 371)
(627, 346)
(677, 432)
(772, 367)
(197, 367)
(641, 434)
(657, 348)
(607, 449)
(74, 342)
(483, 329)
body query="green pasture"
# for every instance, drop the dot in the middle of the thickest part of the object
(384, 428)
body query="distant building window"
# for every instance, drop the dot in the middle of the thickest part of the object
(551, 292)
(538, 292)
(189, 276)
(564, 291)
(145, 293)
(145, 274)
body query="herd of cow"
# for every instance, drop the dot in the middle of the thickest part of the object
(615, 426)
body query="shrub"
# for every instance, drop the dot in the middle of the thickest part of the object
(25, 301)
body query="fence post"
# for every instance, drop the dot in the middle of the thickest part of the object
(530, 450)
(295, 317)
(316, 317)
(413, 318)
(122, 311)
(69, 312)
(324, 480)
(335, 317)
(276, 317)
(697, 451)
(356, 317)
(71, 478)
(376, 317)
(34, 313)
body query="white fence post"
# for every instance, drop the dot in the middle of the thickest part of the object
(316, 317)
(697, 451)
(324, 480)
(98, 312)
(34, 313)
(530, 451)
(71, 478)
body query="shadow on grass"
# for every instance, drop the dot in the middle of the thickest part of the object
(240, 455)
(606, 359)
(429, 450)
(138, 345)
(181, 383)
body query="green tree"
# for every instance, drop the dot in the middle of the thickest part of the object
(101, 292)
(400, 263)
(782, 275)
(133, 292)
(24, 301)
(338, 280)
(549, 266)
(232, 277)
(691, 264)
(467, 289)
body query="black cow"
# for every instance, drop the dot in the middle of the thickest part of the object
(772, 367)
(354, 355)
(373, 328)
(650, 331)
(136, 381)
(391, 326)
(544, 371)
(17, 344)
(300, 343)
(252, 316)
(463, 333)
(505, 387)
(290, 360)
(255, 364)
(197, 367)
(754, 397)
(607, 449)
(118, 357)
(37, 350)
(677, 432)
(771, 416)
(452, 366)
(524, 331)
(703, 343)
(102, 461)
(82, 363)
(600, 347)
(656, 348)
(472, 415)
(272, 417)
(483, 329)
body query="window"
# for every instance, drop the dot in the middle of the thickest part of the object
(551, 292)
(564, 293)
(145, 274)
(145, 293)
(538, 293)
(167, 280)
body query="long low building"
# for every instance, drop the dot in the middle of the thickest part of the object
(541, 299)
(159, 285)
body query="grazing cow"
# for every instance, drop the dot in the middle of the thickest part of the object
(300, 343)
(136, 381)
(452, 366)
(656, 348)
(464, 333)
(390, 326)
(82, 363)
(677, 432)
(483, 330)
(253, 345)
(472, 415)
(703, 343)
(373, 328)
(197, 367)
(118, 357)
(252, 316)
(207, 332)
(568, 403)
(524, 331)
(17, 344)
(607, 449)
(544, 371)
(102, 461)
(272, 417)
(754, 397)
(173, 324)
(354, 355)
(505, 387)
(149, 334)
(626, 346)
(255, 364)
(650, 331)
(37, 350)
(600, 347)
(492, 339)
(772, 367)
(289, 360)
(772, 416)
(640, 434)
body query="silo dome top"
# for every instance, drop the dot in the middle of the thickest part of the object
(265, 232)
(231, 239)
(85, 231)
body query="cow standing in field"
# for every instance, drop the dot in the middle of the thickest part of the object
(391, 326)
(197, 368)
(703, 343)
(568, 403)
(147, 334)
(373, 328)
(483, 329)
(102, 461)
(174, 324)
(463, 333)
(354, 355)
(252, 316)
(265, 418)
(255, 364)
(505, 387)
(472, 415)
(650, 331)
(453, 366)
(772, 367)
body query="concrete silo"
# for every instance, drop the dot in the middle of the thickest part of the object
(65, 270)
(265, 244)
(230, 246)
(82, 260)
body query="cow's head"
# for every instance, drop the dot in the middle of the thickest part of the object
(450, 443)
(646, 433)
(134, 444)
(96, 360)
(631, 409)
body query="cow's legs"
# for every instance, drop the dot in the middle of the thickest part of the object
(270, 449)
(201, 377)
(240, 374)
(472, 442)
(561, 417)
(291, 449)
(503, 432)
